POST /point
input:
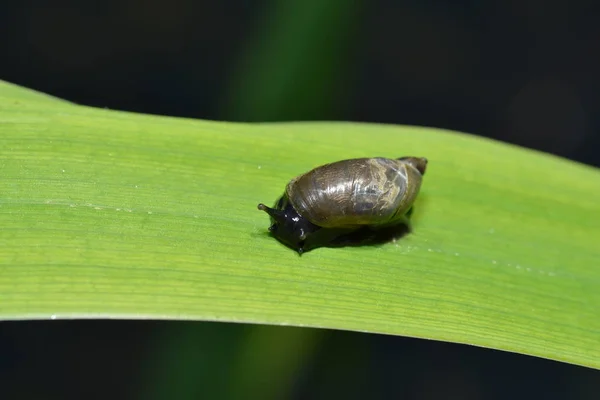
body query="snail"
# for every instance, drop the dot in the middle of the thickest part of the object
(343, 197)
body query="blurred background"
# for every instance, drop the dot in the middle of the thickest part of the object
(524, 72)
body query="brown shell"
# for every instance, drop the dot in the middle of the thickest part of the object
(363, 191)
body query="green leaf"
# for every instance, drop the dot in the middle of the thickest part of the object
(117, 215)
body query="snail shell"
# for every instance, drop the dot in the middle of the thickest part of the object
(363, 191)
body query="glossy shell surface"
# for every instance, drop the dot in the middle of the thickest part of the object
(363, 191)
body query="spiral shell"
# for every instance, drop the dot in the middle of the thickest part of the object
(363, 191)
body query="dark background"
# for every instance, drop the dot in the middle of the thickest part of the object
(524, 72)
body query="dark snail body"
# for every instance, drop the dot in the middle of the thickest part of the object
(345, 198)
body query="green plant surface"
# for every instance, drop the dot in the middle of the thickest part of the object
(107, 214)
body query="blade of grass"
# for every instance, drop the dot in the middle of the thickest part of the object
(271, 360)
(290, 72)
(195, 366)
(118, 215)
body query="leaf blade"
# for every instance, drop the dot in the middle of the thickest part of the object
(117, 215)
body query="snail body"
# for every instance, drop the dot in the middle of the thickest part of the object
(338, 198)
